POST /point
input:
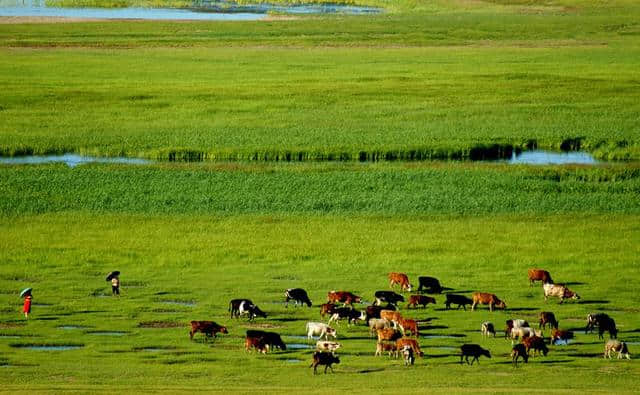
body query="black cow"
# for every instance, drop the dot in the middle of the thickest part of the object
(430, 284)
(271, 338)
(298, 295)
(519, 350)
(374, 311)
(460, 300)
(350, 314)
(323, 358)
(473, 350)
(604, 323)
(388, 297)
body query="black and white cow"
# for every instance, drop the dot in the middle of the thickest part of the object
(239, 307)
(388, 297)
(351, 315)
(298, 295)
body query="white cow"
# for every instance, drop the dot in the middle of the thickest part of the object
(378, 323)
(323, 345)
(559, 291)
(524, 332)
(319, 329)
(617, 346)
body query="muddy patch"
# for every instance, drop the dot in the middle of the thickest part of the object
(264, 326)
(160, 324)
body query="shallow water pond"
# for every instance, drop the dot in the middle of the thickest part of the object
(299, 346)
(71, 327)
(107, 333)
(47, 347)
(540, 157)
(71, 160)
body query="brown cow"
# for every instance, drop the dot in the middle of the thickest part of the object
(386, 347)
(536, 343)
(256, 342)
(415, 300)
(389, 334)
(401, 279)
(547, 318)
(539, 275)
(409, 326)
(558, 334)
(406, 342)
(208, 328)
(486, 298)
(343, 297)
(391, 316)
(327, 308)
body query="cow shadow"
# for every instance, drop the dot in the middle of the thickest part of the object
(574, 283)
(593, 302)
(552, 361)
(461, 291)
(365, 371)
(285, 319)
(430, 327)
(631, 331)
(431, 356)
(585, 354)
(522, 309)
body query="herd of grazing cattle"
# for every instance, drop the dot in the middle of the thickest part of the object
(395, 333)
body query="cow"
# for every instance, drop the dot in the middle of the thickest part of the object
(536, 343)
(208, 328)
(431, 285)
(344, 297)
(415, 300)
(388, 297)
(517, 323)
(460, 300)
(409, 358)
(298, 295)
(593, 321)
(558, 290)
(392, 316)
(400, 279)
(389, 334)
(473, 350)
(272, 339)
(539, 275)
(256, 342)
(547, 318)
(617, 346)
(486, 298)
(350, 314)
(407, 325)
(519, 350)
(323, 358)
(327, 308)
(234, 306)
(487, 329)
(323, 345)
(386, 347)
(239, 307)
(557, 334)
(378, 323)
(320, 329)
(524, 332)
(604, 323)
(374, 311)
(413, 344)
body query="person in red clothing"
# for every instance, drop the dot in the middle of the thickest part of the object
(26, 308)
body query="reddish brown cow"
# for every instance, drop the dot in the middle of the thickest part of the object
(392, 316)
(401, 279)
(539, 275)
(558, 334)
(256, 342)
(486, 298)
(208, 328)
(415, 300)
(409, 326)
(327, 308)
(405, 341)
(343, 297)
(388, 334)
(536, 343)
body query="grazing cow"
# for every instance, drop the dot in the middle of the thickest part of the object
(392, 316)
(344, 297)
(486, 298)
(604, 323)
(517, 323)
(208, 328)
(536, 343)
(272, 339)
(256, 342)
(558, 290)
(389, 334)
(460, 300)
(298, 295)
(374, 311)
(323, 358)
(407, 325)
(539, 275)
(411, 343)
(388, 297)
(320, 329)
(239, 307)
(323, 345)
(234, 306)
(617, 346)
(327, 308)
(557, 334)
(409, 358)
(519, 350)
(386, 347)
(431, 285)
(487, 329)
(473, 350)
(415, 300)
(547, 318)
(350, 314)
(524, 332)
(378, 323)
(400, 279)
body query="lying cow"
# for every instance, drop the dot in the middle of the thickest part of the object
(208, 328)
(386, 347)
(519, 350)
(415, 300)
(487, 329)
(344, 297)
(388, 334)
(486, 298)
(327, 346)
(431, 285)
(536, 343)
(388, 297)
(271, 339)
(511, 324)
(323, 358)
(616, 346)
(320, 329)
(411, 343)
(378, 323)
(460, 300)
(400, 279)
(327, 308)
(298, 295)
(351, 315)
(559, 291)
(473, 350)
(539, 275)
(547, 318)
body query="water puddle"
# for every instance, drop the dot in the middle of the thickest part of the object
(18, 337)
(299, 346)
(71, 327)
(444, 348)
(107, 333)
(296, 337)
(540, 157)
(293, 360)
(263, 8)
(559, 342)
(71, 160)
(47, 347)
(189, 303)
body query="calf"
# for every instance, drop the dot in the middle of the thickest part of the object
(431, 285)
(519, 350)
(460, 300)
(323, 345)
(298, 295)
(487, 329)
(536, 343)
(539, 275)
(351, 315)
(486, 298)
(323, 358)
(272, 339)
(604, 323)
(320, 329)
(388, 297)
(409, 358)
(617, 346)
(473, 350)
(255, 342)
(388, 334)
(517, 323)
(374, 311)
(415, 300)
(557, 334)
(413, 344)
(400, 279)
(378, 323)
(547, 318)
(327, 308)
(407, 325)
(347, 298)
(208, 328)
(392, 316)
(386, 347)
(559, 291)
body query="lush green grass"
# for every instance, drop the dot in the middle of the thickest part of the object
(210, 259)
